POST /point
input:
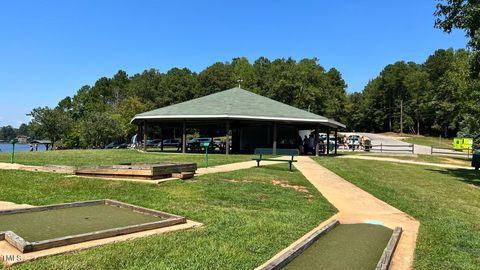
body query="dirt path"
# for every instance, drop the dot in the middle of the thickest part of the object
(237, 166)
(9, 205)
(33, 168)
(447, 166)
(357, 206)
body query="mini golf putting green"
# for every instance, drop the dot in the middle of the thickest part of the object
(37, 228)
(349, 246)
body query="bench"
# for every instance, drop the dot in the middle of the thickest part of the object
(278, 152)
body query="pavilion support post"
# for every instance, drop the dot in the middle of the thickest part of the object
(317, 145)
(139, 135)
(227, 139)
(274, 146)
(212, 143)
(328, 141)
(336, 140)
(184, 137)
(161, 139)
(144, 136)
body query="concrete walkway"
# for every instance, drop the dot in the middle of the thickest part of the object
(357, 206)
(396, 160)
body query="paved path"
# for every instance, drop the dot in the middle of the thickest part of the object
(396, 160)
(391, 140)
(357, 206)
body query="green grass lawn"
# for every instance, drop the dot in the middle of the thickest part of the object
(115, 156)
(430, 141)
(445, 201)
(461, 161)
(247, 219)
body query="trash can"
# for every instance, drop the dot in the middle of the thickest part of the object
(476, 159)
(367, 145)
(331, 146)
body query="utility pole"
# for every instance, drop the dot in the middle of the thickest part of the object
(401, 116)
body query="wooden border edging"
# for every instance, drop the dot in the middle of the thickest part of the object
(24, 246)
(291, 254)
(138, 170)
(384, 262)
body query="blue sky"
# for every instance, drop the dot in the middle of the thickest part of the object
(49, 49)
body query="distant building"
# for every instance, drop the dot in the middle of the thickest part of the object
(22, 139)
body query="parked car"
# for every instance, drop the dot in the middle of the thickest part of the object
(353, 141)
(112, 145)
(323, 137)
(153, 143)
(123, 146)
(196, 144)
(170, 142)
(217, 142)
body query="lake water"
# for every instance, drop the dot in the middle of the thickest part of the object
(19, 147)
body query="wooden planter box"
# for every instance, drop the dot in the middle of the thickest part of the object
(138, 170)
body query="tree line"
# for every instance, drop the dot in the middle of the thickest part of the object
(8, 133)
(438, 97)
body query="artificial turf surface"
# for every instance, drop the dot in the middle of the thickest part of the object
(55, 223)
(347, 246)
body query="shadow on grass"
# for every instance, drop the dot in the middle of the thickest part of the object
(278, 167)
(464, 175)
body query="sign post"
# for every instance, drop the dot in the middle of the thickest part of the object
(206, 145)
(13, 142)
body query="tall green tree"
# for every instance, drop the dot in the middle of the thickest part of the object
(49, 123)
(7, 133)
(216, 78)
(99, 129)
(463, 15)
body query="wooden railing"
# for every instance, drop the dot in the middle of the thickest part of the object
(394, 148)
(468, 152)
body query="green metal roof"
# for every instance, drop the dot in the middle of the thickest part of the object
(235, 103)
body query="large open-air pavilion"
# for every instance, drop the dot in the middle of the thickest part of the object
(246, 120)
